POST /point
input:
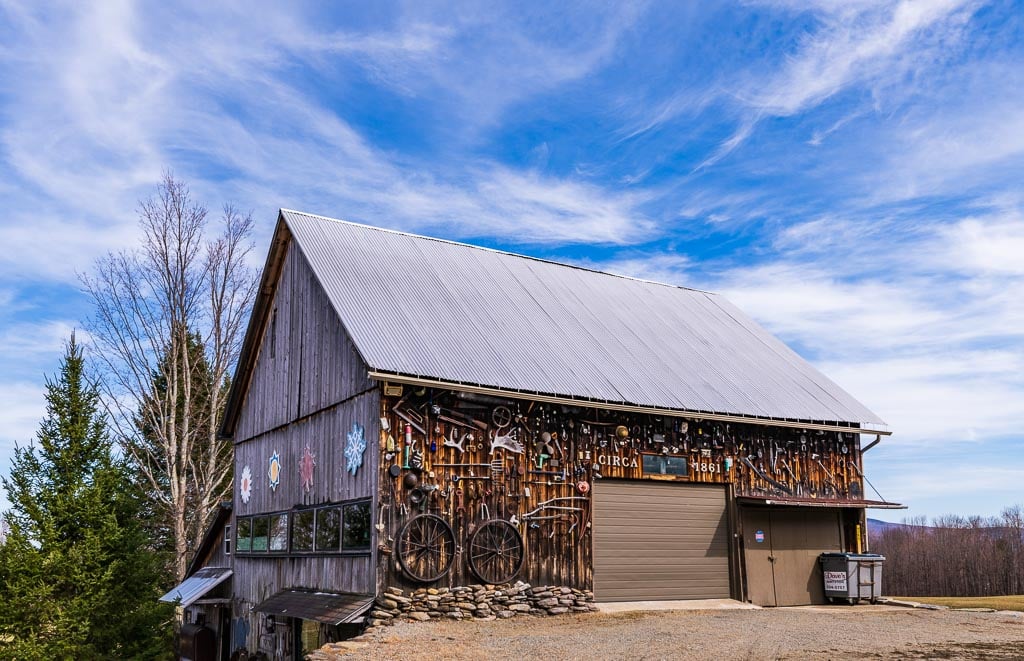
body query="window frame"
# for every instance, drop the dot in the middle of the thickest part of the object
(249, 521)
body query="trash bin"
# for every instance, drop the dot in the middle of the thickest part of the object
(851, 577)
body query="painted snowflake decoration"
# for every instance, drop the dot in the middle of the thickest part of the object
(354, 447)
(274, 470)
(245, 484)
(306, 466)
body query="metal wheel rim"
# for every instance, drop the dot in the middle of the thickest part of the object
(495, 552)
(426, 548)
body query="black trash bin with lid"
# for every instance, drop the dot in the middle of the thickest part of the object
(851, 577)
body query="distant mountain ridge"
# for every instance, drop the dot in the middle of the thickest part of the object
(876, 527)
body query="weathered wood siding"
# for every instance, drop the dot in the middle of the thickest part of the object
(216, 556)
(308, 389)
(306, 361)
(324, 433)
(560, 452)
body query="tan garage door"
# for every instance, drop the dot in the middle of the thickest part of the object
(657, 541)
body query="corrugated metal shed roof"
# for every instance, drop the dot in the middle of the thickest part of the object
(326, 607)
(195, 586)
(425, 307)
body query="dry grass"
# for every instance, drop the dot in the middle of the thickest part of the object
(1014, 602)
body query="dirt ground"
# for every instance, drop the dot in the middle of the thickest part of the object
(861, 632)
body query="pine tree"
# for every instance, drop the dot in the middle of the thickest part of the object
(78, 578)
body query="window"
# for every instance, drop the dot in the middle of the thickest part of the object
(302, 531)
(655, 464)
(244, 531)
(260, 529)
(227, 540)
(328, 529)
(338, 528)
(278, 533)
(357, 527)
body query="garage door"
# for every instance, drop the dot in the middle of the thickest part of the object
(655, 541)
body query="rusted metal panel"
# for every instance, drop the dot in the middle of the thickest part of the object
(425, 307)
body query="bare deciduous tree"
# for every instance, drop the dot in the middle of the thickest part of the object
(956, 556)
(167, 326)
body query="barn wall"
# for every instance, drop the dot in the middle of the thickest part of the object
(754, 461)
(305, 362)
(216, 557)
(308, 391)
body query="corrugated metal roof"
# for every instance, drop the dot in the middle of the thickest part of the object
(195, 586)
(326, 607)
(432, 308)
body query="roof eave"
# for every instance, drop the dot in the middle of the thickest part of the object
(850, 427)
(254, 332)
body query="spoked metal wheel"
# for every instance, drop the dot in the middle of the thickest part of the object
(495, 552)
(426, 548)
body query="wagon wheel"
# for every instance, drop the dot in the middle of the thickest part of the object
(495, 552)
(426, 548)
(501, 417)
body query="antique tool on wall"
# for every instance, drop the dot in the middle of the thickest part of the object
(411, 417)
(447, 415)
(410, 443)
(460, 478)
(785, 465)
(501, 416)
(761, 474)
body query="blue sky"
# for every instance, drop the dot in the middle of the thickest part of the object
(849, 173)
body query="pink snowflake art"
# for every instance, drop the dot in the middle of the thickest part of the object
(306, 466)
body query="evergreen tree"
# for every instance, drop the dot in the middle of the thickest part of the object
(78, 578)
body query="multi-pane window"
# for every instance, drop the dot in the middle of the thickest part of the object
(325, 529)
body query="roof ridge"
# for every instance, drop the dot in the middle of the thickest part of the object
(495, 250)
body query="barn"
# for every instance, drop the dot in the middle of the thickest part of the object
(425, 428)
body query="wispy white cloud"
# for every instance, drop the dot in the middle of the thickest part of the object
(112, 89)
(887, 49)
(29, 339)
(868, 43)
(20, 415)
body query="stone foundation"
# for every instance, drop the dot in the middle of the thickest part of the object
(481, 602)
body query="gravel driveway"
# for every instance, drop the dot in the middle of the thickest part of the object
(861, 632)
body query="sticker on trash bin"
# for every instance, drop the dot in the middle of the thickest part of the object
(835, 581)
(759, 536)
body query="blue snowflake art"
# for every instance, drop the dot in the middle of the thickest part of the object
(354, 447)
